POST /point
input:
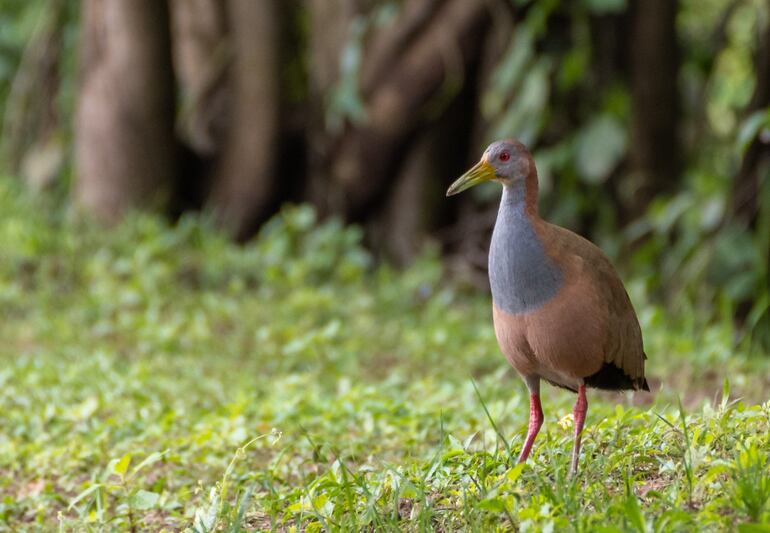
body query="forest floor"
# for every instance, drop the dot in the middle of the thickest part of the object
(156, 378)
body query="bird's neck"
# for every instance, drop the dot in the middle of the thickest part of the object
(521, 274)
(521, 195)
(514, 198)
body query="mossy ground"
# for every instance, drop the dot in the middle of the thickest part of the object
(157, 378)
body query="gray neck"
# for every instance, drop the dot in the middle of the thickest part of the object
(521, 274)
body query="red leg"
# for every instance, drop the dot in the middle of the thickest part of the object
(535, 421)
(579, 415)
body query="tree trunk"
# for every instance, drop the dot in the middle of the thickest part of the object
(125, 148)
(201, 58)
(398, 228)
(756, 160)
(329, 32)
(29, 143)
(243, 181)
(368, 154)
(754, 166)
(389, 46)
(330, 22)
(655, 148)
(415, 204)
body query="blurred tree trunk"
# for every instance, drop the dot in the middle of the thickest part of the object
(655, 148)
(243, 182)
(125, 148)
(754, 166)
(330, 25)
(425, 62)
(418, 70)
(397, 228)
(756, 160)
(414, 205)
(329, 31)
(29, 143)
(201, 59)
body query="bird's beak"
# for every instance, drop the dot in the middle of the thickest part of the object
(481, 172)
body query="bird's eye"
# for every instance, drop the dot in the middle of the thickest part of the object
(504, 156)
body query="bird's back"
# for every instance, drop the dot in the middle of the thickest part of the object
(623, 350)
(583, 328)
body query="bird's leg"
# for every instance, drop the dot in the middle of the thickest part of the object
(535, 421)
(579, 415)
(535, 417)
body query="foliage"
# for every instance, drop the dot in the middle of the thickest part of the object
(37, 88)
(157, 377)
(161, 377)
(687, 243)
(546, 90)
(18, 21)
(750, 485)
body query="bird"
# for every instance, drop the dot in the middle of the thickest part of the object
(560, 310)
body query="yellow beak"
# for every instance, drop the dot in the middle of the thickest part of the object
(481, 172)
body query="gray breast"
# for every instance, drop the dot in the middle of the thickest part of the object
(521, 274)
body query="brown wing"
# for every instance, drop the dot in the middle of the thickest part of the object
(623, 347)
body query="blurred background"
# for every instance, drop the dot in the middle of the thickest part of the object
(649, 121)
(223, 225)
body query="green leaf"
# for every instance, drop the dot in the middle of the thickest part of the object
(603, 7)
(313, 527)
(607, 529)
(509, 73)
(147, 461)
(494, 504)
(600, 147)
(523, 116)
(632, 509)
(408, 490)
(753, 528)
(144, 499)
(573, 67)
(751, 127)
(513, 474)
(121, 467)
(206, 515)
(451, 453)
(84, 494)
(455, 444)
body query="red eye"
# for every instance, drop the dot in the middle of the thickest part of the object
(504, 156)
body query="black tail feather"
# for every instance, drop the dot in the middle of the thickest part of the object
(610, 377)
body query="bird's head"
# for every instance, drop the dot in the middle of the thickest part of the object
(505, 161)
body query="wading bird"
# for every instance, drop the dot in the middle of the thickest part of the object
(560, 311)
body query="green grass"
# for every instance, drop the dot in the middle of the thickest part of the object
(162, 378)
